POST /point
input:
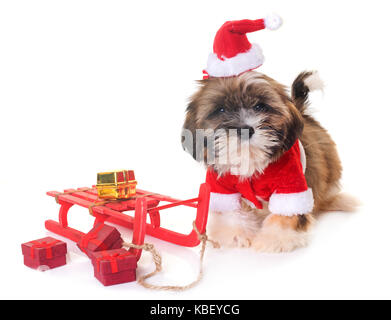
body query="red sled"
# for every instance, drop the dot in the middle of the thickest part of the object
(144, 203)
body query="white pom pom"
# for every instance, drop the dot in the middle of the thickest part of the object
(273, 21)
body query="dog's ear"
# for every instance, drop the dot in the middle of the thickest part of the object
(189, 131)
(294, 123)
(293, 127)
(193, 139)
(192, 142)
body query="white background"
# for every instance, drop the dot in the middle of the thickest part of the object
(89, 86)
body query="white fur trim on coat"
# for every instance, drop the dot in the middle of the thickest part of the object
(290, 204)
(303, 158)
(234, 66)
(224, 202)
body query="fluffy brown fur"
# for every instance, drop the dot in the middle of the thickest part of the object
(233, 103)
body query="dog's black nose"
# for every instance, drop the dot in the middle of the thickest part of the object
(251, 130)
(244, 130)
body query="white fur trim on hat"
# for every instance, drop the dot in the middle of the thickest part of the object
(273, 21)
(290, 204)
(224, 202)
(230, 67)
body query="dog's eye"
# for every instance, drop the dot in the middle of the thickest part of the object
(221, 109)
(262, 107)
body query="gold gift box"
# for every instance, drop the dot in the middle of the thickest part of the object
(119, 184)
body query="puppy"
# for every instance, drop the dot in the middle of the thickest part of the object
(256, 191)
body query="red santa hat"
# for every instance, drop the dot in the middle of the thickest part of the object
(232, 53)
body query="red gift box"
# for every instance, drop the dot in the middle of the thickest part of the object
(101, 237)
(114, 266)
(48, 252)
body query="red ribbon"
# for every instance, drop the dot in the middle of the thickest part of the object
(205, 75)
(91, 237)
(113, 260)
(37, 244)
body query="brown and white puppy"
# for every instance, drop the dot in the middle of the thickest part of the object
(274, 120)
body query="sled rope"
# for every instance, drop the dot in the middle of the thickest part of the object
(68, 193)
(104, 202)
(158, 263)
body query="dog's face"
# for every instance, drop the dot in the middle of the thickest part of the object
(250, 112)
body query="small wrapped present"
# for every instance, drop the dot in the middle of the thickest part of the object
(116, 185)
(101, 237)
(44, 253)
(114, 266)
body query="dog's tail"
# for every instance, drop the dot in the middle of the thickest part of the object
(305, 82)
(339, 202)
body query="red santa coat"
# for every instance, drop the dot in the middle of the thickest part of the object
(282, 184)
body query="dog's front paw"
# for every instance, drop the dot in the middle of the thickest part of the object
(231, 237)
(231, 229)
(242, 241)
(280, 234)
(276, 240)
